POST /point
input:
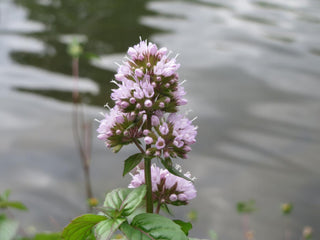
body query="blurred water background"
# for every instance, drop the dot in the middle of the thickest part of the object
(253, 79)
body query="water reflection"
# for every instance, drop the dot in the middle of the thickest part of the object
(108, 26)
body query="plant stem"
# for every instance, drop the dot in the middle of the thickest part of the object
(138, 145)
(82, 139)
(147, 174)
(158, 206)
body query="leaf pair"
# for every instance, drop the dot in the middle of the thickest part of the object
(5, 203)
(120, 204)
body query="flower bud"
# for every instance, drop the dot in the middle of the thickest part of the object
(164, 129)
(153, 49)
(146, 132)
(132, 100)
(148, 103)
(173, 197)
(124, 104)
(138, 72)
(155, 120)
(148, 140)
(161, 105)
(118, 132)
(166, 154)
(182, 197)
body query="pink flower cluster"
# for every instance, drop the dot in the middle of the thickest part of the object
(147, 89)
(166, 187)
(172, 136)
(148, 80)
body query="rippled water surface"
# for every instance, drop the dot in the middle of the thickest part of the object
(253, 80)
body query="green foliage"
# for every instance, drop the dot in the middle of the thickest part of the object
(8, 228)
(148, 226)
(167, 163)
(75, 49)
(5, 195)
(5, 203)
(131, 162)
(105, 229)
(47, 236)
(80, 228)
(185, 226)
(122, 202)
(118, 204)
(246, 207)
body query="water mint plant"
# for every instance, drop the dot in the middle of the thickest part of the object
(144, 112)
(146, 102)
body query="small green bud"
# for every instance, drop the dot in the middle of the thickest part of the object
(192, 215)
(286, 208)
(93, 202)
(75, 49)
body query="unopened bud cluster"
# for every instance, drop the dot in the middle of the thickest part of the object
(146, 100)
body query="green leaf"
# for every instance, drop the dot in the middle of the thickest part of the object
(131, 162)
(196, 239)
(80, 227)
(5, 195)
(185, 226)
(246, 207)
(117, 148)
(148, 226)
(167, 163)
(47, 236)
(8, 228)
(105, 229)
(123, 201)
(13, 204)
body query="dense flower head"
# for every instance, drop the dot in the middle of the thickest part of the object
(172, 136)
(146, 101)
(115, 129)
(147, 80)
(166, 187)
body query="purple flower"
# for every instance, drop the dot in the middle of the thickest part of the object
(160, 144)
(166, 67)
(109, 121)
(166, 187)
(164, 129)
(183, 130)
(148, 140)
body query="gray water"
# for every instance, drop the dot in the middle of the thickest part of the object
(252, 71)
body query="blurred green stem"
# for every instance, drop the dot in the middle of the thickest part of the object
(81, 131)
